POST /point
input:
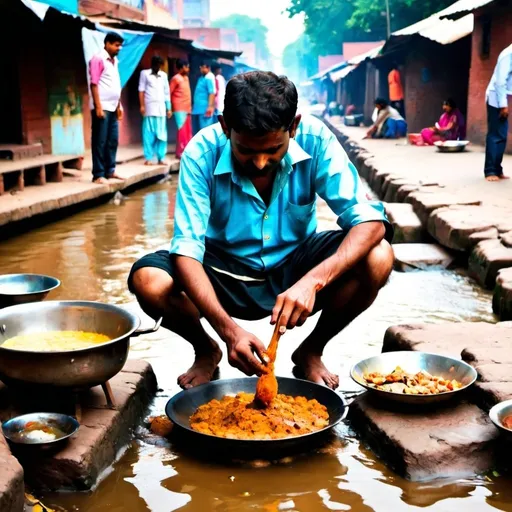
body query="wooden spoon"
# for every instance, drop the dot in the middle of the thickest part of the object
(266, 387)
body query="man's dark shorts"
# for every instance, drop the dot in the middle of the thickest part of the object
(253, 297)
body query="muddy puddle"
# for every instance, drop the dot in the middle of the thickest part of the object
(92, 252)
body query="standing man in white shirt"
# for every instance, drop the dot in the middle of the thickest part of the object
(497, 94)
(106, 110)
(155, 107)
(220, 89)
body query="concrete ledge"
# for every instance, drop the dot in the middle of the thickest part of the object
(12, 487)
(103, 433)
(455, 441)
(487, 259)
(407, 225)
(502, 298)
(421, 257)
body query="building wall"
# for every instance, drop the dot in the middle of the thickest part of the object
(162, 13)
(209, 37)
(482, 67)
(326, 61)
(351, 50)
(196, 13)
(433, 73)
(121, 9)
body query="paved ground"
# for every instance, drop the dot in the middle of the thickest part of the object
(461, 173)
(77, 187)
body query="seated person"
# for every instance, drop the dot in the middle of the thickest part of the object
(451, 126)
(245, 235)
(389, 123)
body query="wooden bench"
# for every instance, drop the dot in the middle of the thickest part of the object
(15, 174)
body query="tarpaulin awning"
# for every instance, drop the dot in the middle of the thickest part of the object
(463, 7)
(341, 73)
(40, 8)
(328, 71)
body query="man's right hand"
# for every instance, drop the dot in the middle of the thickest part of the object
(100, 113)
(246, 352)
(504, 113)
(143, 110)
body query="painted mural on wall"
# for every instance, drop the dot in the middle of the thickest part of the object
(67, 122)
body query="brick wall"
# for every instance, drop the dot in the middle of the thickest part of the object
(482, 69)
(431, 74)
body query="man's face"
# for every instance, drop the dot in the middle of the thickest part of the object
(185, 70)
(204, 70)
(259, 156)
(155, 67)
(113, 48)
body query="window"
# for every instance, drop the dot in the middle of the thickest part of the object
(485, 42)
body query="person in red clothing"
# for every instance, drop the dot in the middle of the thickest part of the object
(181, 101)
(396, 91)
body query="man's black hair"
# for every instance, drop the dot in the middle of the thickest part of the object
(205, 62)
(181, 63)
(156, 60)
(382, 102)
(113, 37)
(260, 102)
(216, 66)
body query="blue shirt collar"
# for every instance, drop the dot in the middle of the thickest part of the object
(294, 155)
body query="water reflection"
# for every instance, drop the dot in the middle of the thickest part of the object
(92, 252)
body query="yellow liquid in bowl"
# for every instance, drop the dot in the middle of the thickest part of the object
(55, 341)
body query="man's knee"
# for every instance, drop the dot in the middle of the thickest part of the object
(377, 266)
(152, 287)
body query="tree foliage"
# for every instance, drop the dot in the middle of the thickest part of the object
(329, 23)
(250, 30)
(299, 59)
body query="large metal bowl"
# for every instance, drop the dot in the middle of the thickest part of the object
(498, 413)
(413, 362)
(451, 146)
(75, 369)
(23, 288)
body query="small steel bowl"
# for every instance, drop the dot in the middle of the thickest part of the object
(414, 362)
(23, 288)
(498, 413)
(61, 425)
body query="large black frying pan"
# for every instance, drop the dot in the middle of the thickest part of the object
(182, 405)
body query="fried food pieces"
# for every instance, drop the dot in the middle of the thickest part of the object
(421, 383)
(237, 417)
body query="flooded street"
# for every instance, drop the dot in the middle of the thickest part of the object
(92, 252)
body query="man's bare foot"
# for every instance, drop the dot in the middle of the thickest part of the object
(162, 162)
(100, 181)
(492, 178)
(115, 176)
(202, 370)
(149, 162)
(314, 370)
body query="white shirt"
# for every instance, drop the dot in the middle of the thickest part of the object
(500, 85)
(104, 72)
(156, 92)
(221, 93)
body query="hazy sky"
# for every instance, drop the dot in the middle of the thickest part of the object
(281, 29)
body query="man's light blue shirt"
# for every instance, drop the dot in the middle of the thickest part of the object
(216, 205)
(205, 86)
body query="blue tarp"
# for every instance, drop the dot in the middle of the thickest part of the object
(134, 46)
(70, 6)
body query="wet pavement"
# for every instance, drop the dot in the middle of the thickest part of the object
(92, 253)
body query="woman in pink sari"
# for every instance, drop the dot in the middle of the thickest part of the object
(451, 126)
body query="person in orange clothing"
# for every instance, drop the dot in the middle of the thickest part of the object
(396, 91)
(181, 101)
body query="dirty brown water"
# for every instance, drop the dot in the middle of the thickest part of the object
(92, 252)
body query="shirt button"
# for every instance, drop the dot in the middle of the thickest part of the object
(266, 217)
(267, 237)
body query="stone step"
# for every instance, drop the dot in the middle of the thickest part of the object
(407, 225)
(453, 441)
(12, 488)
(502, 298)
(487, 259)
(421, 256)
(20, 151)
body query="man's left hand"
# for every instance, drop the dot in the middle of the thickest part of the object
(169, 114)
(119, 113)
(209, 112)
(294, 306)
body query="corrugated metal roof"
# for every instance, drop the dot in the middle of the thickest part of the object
(374, 52)
(442, 31)
(325, 72)
(465, 7)
(341, 73)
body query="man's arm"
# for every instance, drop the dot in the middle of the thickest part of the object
(338, 183)
(190, 223)
(96, 67)
(503, 70)
(167, 96)
(211, 97)
(142, 91)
